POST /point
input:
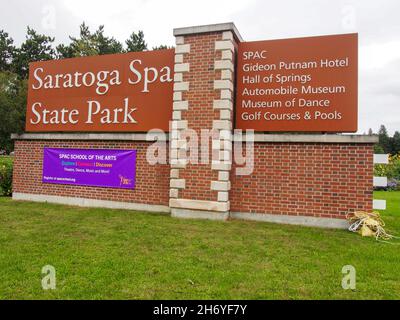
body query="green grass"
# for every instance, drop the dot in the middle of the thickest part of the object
(117, 254)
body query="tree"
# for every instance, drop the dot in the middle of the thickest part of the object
(89, 44)
(106, 45)
(12, 107)
(396, 143)
(64, 52)
(6, 51)
(37, 47)
(162, 47)
(370, 132)
(384, 139)
(136, 42)
(378, 149)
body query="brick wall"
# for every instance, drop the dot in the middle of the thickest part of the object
(200, 114)
(301, 179)
(152, 182)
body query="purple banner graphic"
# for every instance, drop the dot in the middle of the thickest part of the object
(90, 167)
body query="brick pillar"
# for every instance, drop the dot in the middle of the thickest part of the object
(203, 99)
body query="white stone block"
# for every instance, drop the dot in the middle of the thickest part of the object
(179, 125)
(220, 185)
(181, 86)
(227, 55)
(173, 193)
(222, 124)
(174, 133)
(182, 67)
(182, 48)
(223, 196)
(179, 58)
(177, 96)
(178, 183)
(223, 104)
(178, 144)
(224, 45)
(225, 155)
(220, 166)
(226, 75)
(223, 176)
(227, 35)
(380, 181)
(222, 145)
(173, 153)
(223, 85)
(178, 163)
(175, 174)
(179, 40)
(381, 158)
(226, 135)
(226, 94)
(379, 205)
(181, 105)
(203, 205)
(224, 65)
(216, 144)
(176, 115)
(225, 115)
(178, 77)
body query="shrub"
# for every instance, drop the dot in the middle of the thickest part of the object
(393, 185)
(391, 170)
(6, 173)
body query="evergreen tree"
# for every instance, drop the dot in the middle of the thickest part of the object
(162, 47)
(89, 44)
(12, 107)
(136, 42)
(378, 149)
(6, 51)
(396, 143)
(370, 132)
(106, 45)
(37, 47)
(384, 139)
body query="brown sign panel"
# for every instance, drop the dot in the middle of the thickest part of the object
(303, 84)
(129, 92)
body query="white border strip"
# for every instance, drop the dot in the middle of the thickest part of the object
(381, 159)
(295, 220)
(92, 203)
(379, 204)
(197, 214)
(380, 182)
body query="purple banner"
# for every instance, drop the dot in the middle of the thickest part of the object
(90, 167)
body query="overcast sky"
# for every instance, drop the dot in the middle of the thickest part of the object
(377, 22)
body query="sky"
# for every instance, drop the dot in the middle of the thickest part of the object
(377, 23)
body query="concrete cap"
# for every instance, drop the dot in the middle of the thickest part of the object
(229, 26)
(311, 138)
(92, 136)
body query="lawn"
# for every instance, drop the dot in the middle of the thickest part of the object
(117, 254)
